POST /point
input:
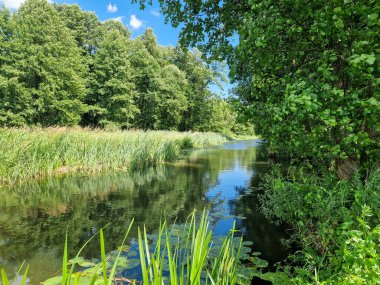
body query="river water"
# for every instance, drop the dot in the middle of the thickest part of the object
(225, 179)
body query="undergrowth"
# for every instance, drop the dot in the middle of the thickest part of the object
(335, 224)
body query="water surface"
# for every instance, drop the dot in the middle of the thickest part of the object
(34, 217)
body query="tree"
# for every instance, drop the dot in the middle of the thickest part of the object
(84, 25)
(307, 70)
(112, 92)
(146, 70)
(171, 86)
(15, 100)
(199, 76)
(60, 65)
(51, 68)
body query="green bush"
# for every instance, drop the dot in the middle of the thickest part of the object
(335, 223)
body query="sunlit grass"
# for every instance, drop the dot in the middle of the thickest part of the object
(29, 153)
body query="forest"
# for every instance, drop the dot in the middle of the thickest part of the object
(298, 202)
(62, 66)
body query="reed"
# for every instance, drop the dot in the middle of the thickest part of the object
(27, 153)
(181, 255)
(188, 256)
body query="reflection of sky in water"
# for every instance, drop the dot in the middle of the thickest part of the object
(240, 145)
(228, 180)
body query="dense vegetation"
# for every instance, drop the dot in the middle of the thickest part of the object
(336, 223)
(307, 73)
(60, 65)
(30, 153)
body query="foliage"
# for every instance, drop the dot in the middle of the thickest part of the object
(42, 69)
(336, 223)
(30, 153)
(189, 255)
(60, 65)
(306, 72)
(112, 95)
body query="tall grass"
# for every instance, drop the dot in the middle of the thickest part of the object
(188, 256)
(29, 153)
(179, 257)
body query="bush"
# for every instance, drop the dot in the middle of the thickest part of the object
(335, 223)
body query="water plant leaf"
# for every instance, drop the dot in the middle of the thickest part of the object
(53, 281)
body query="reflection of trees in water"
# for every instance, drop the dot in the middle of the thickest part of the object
(266, 236)
(33, 218)
(85, 204)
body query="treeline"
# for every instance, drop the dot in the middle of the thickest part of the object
(60, 65)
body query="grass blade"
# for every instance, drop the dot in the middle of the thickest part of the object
(64, 262)
(4, 277)
(103, 256)
(119, 253)
(25, 276)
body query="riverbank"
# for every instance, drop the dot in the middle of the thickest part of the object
(29, 153)
(335, 225)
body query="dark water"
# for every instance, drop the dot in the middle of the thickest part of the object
(34, 218)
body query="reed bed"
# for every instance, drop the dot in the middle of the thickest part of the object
(27, 153)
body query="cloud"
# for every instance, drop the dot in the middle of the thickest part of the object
(15, 4)
(155, 13)
(119, 19)
(135, 23)
(111, 8)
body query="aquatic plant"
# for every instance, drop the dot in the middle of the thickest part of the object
(188, 254)
(34, 152)
(178, 254)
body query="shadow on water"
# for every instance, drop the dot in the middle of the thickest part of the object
(34, 217)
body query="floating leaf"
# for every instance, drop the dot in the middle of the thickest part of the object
(53, 281)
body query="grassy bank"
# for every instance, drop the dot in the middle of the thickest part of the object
(30, 153)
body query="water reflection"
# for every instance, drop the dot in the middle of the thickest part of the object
(33, 218)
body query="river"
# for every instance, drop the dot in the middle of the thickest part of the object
(225, 179)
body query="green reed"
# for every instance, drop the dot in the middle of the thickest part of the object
(181, 251)
(27, 153)
(188, 256)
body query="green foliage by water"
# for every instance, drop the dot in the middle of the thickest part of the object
(336, 223)
(60, 65)
(306, 71)
(30, 153)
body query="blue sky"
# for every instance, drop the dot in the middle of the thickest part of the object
(131, 16)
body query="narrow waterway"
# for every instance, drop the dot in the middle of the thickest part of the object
(34, 217)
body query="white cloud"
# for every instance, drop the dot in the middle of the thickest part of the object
(119, 19)
(111, 8)
(155, 13)
(15, 4)
(135, 23)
